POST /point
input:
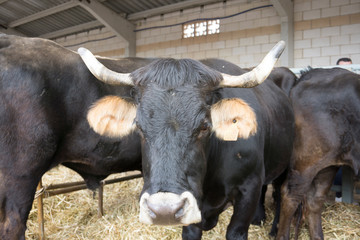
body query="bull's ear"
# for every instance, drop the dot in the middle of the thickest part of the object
(233, 119)
(112, 116)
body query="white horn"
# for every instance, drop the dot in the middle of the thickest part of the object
(258, 74)
(101, 72)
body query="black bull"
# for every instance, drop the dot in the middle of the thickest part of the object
(204, 145)
(46, 92)
(327, 130)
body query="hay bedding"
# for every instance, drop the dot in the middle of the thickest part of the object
(74, 216)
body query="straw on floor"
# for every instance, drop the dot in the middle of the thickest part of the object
(74, 216)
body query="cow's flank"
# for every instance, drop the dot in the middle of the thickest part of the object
(233, 119)
(112, 116)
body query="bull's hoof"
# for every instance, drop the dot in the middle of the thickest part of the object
(257, 220)
(259, 216)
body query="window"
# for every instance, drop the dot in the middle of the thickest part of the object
(201, 28)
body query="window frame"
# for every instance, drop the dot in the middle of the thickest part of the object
(194, 32)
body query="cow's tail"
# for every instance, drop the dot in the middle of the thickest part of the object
(298, 218)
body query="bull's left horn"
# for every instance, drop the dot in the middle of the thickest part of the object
(258, 74)
(101, 72)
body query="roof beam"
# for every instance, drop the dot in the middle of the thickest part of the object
(170, 8)
(44, 13)
(2, 1)
(120, 26)
(285, 9)
(72, 30)
(11, 31)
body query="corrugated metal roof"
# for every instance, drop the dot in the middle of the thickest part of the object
(55, 22)
(11, 10)
(38, 17)
(135, 6)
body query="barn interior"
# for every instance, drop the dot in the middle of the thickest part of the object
(317, 34)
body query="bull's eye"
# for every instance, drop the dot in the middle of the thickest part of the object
(204, 126)
(132, 92)
(234, 120)
(204, 129)
(138, 126)
(140, 132)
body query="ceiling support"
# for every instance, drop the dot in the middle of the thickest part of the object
(170, 8)
(71, 30)
(10, 28)
(120, 26)
(11, 31)
(44, 13)
(285, 9)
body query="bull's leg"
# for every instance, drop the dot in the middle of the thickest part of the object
(191, 232)
(20, 172)
(293, 191)
(244, 209)
(27, 145)
(288, 208)
(16, 197)
(315, 200)
(210, 217)
(277, 199)
(260, 210)
(17, 190)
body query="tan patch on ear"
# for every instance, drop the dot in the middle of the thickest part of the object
(233, 119)
(112, 116)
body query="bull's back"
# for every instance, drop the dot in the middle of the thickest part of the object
(275, 123)
(326, 106)
(279, 124)
(45, 93)
(47, 76)
(26, 134)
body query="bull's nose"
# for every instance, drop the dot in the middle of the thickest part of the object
(166, 212)
(165, 208)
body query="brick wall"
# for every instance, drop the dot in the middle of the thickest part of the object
(325, 30)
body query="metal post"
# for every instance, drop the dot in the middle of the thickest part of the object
(100, 203)
(347, 184)
(40, 212)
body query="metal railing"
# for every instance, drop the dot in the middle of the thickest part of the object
(351, 67)
(62, 188)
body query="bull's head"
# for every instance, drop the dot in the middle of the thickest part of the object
(175, 109)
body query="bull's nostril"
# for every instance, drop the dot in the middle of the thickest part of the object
(179, 213)
(151, 212)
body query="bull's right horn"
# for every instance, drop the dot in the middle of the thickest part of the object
(101, 72)
(258, 74)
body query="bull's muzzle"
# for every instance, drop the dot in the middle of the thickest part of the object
(166, 208)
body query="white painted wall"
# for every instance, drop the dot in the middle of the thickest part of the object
(325, 30)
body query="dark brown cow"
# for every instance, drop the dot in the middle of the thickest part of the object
(327, 123)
